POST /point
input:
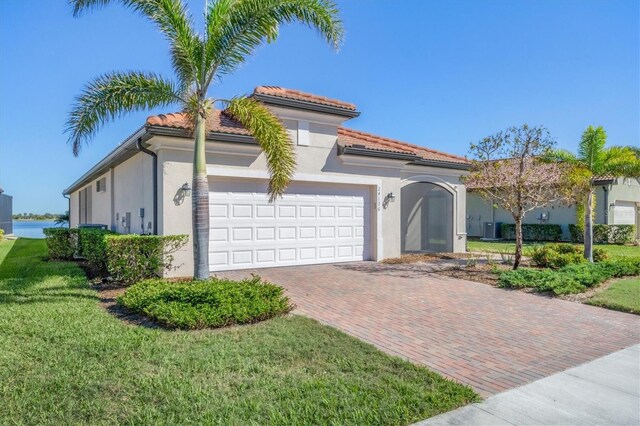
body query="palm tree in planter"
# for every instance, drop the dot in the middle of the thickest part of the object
(595, 160)
(232, 31)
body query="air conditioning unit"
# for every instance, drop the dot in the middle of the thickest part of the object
(491, 231)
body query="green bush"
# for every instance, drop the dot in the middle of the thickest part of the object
(574, 278)
(577, 233)
(1, 234)
(558, 255)
(210, 303)
(532, 232)
(132, 258)
(62, 243)
(93, 248)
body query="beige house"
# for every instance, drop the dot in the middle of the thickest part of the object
(354, 196)
(617, 203)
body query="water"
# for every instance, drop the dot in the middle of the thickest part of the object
(31, 228)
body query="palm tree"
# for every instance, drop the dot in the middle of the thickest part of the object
(62, 219)
(233, 29)
(594, 160)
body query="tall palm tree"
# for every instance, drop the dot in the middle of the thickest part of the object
(595, 160)
(232, 31)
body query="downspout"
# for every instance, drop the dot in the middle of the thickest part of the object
(606, 205)
(155, 182)
(69, 210)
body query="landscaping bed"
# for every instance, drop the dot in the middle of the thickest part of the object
(65, 360)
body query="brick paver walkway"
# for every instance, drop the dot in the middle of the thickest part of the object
(488, 338)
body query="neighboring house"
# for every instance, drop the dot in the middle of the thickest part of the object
(6, 212)
(354, 196)
(617, 203)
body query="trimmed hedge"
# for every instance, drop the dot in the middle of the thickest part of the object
(132, 258)
(62, 243)
(94, 248)
(558, 255)
(605, 234)
(532, 231)
(209, 303)
(1, 234)
(570, 279)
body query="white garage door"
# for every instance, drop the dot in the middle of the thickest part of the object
(311, 223)
(624, 213)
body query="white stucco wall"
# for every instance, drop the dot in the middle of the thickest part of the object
(129, 189)
(622, 190)
(133, 189)
(319, 158)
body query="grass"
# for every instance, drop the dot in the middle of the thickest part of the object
(614, 251)
(623, 295)
(65, 360)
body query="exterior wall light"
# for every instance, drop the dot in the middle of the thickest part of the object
(391, 197)
(186, 189)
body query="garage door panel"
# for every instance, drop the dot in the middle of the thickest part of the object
(301, 228)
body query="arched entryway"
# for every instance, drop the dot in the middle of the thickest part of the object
(427, 218)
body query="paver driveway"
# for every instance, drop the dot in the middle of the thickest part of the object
(488, 338)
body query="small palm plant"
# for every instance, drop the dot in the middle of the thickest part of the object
(595, 160)
(233, 29)
(62, 219)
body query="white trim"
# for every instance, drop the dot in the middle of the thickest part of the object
(212, 147)
(325, 178)
(303, 133)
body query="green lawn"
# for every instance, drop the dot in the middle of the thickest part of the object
(63, 359)
(623, 295)
(501, 247)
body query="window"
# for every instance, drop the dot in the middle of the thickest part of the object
(101, 185)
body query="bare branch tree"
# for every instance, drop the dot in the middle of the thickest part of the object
(505, 170)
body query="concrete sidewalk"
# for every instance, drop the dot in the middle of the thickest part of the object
(601, 392)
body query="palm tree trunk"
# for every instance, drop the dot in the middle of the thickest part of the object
(518, 255)
(588, 228)
(200, 200)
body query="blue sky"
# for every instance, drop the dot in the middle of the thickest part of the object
(435, 73)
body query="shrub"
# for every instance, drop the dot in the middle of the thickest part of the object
(557, 255)
(605, 234)
(132, 258)
(1, 234)
(211, 303)
(574, 278)
(62, 243)
(577, 233)
(532, 232)
(92, 247)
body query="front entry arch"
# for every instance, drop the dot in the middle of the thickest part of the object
(427, 218)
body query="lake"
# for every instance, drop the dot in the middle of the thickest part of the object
(31, 228)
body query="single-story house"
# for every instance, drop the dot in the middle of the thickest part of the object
(617, 203)
(6, 212)
(355, 196)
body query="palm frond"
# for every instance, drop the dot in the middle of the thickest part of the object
(620, 161)
(272, 136)
(235, 28)
(174, 21)
(112, 95)
(560, 155)
(591, 145)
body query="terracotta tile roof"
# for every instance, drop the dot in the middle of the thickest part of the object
(358, 139)
(281, 92)
(218, 122)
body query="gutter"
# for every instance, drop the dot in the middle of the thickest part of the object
(155, 183)
(606, 204)
(306, 106)
(69, 210)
